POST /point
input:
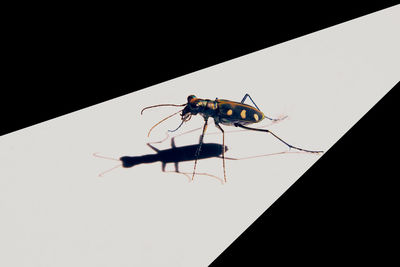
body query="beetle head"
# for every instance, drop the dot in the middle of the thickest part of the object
(192, 107)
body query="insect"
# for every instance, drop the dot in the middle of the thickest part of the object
(225, 112)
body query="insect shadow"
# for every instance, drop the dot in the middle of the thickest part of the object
(185, 153)
(173, 155)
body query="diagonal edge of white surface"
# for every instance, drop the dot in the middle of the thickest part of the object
(56, 211)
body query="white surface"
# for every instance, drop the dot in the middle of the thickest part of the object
(56, 211)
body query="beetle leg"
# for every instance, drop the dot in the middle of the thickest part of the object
(199, 147)
(248, 96)
(277, 137)
(223, 148)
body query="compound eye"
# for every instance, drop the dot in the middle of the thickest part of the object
(190, 98)
(195, 104)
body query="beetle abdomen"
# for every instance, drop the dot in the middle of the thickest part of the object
(233, 112)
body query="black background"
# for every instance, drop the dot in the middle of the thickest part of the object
(60, 61)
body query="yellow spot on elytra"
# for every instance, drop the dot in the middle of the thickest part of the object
(243, 114)
(229, 112)
(255, 116)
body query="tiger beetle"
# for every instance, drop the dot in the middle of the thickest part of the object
(225, 112)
